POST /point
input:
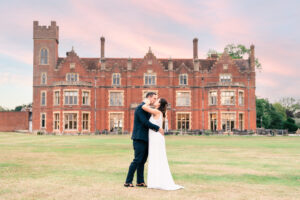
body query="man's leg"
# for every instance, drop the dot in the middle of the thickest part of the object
(140, 168)
(138, 159)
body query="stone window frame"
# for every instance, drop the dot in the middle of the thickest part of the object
(110, 91)
(89, 121)
(217, 102)
(41, 114)
(54, 120)
(41, 99)
(115, 112)
(77, 76)
(241, 91)
(228, 112)
(190, 120)
(186, 91)
(225, 66)
(71, 90)
(43, 83)
(54, 97)
(72, 65)
(89, 97)
(187, 79)
(40, 56)
(150, 73)
(63, 121)
(225, 74)
(228, 90)
(243, 121)
(112, 79)
(213, 112)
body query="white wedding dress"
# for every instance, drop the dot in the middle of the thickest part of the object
(159, 175)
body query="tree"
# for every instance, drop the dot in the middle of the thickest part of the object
(290, 103)
(19, 108)
(277, 118)
(212, 51)
(297, 115)
(263, 116)
(4, 109)
(290, 125)
(280, 109)
(273, 116)
(235, 52)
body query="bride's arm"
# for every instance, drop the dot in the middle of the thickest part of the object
(146, 107)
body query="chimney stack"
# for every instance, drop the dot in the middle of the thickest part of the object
(170, 64)
(196, 65)
(129, 64)
(195, 48)
(252, 57)
(102, 46)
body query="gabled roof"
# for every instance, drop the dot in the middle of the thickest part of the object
(91, 63)
(122, 63)
(111, 63)
(242, 64)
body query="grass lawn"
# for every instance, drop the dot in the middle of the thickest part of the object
(95, 167)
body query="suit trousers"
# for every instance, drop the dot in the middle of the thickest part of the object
(140, 157)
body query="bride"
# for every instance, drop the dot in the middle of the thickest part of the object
(159, 175)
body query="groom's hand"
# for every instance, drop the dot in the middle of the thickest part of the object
(161, 131)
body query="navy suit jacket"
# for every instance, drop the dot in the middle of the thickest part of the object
(141, 124)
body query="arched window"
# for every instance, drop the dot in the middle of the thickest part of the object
(44, 56)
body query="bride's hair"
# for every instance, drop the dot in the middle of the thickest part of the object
(163, 106)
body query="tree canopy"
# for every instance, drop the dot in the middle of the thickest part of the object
(273, 116)
(235, 52)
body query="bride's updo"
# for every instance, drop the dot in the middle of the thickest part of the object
(163, 106)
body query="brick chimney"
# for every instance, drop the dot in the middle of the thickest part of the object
(195, 48)
(252, 58)
(102, 46)
(196, 65)
(129, 64)
(170, 64)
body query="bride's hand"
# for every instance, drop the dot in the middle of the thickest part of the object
(147, 101)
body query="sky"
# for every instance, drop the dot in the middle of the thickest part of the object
(167, 26)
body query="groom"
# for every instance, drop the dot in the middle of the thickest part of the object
(139, 136)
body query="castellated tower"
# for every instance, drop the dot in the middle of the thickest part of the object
(45, 37)
(45, 55)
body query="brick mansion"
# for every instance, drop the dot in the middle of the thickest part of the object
(84, 95)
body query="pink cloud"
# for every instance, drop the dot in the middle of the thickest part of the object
(8, 78)
(23, 55)
(174, 10)
(118, 35)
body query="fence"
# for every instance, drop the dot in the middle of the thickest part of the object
(259, 131)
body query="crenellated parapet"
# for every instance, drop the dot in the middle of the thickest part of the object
(46, 32)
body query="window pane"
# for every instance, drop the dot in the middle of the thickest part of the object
(183, 99)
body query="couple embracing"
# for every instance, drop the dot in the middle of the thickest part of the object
(149, 141)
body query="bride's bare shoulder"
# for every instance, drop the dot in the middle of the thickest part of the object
(157, 116)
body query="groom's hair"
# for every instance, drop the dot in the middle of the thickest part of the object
(150, 94)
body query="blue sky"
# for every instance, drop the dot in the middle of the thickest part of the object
(168, 26)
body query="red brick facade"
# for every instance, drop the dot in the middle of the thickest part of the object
(212, 93)
(13, 121)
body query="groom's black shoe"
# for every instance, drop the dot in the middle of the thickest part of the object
(141, 185)
(128, 185)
